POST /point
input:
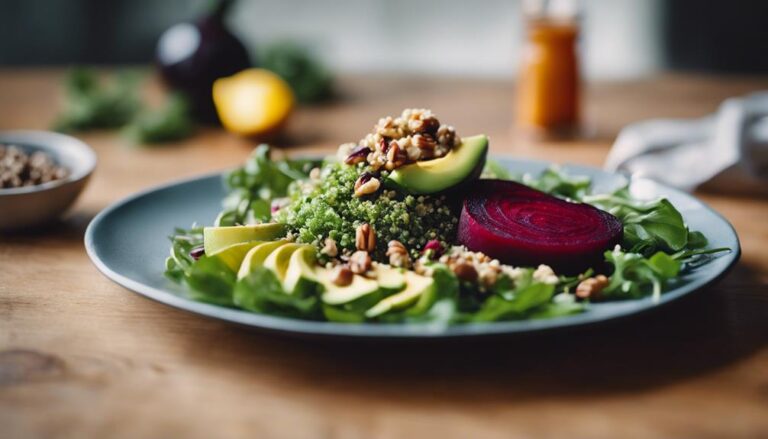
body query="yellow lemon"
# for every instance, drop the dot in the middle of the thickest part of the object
(254, 102)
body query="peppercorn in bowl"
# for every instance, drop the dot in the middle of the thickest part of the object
(41, 175)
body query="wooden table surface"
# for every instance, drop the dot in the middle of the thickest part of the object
(82, 357)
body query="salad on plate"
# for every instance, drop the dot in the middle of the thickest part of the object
(414, 223)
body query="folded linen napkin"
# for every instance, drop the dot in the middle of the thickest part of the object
(727, 151)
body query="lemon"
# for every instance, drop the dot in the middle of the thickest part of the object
(253, 102)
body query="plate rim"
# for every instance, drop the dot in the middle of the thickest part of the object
(291, 326)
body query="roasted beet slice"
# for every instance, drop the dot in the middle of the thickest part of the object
(524, 227)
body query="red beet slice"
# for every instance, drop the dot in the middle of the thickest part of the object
(521, 226)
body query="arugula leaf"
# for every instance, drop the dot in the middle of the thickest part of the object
(556, 182)
(257, 183)
(261, 291)
(170, 123)
(635, 276)
(552, 310)
(494, 169)
(179, 263)
(211, 280)
(92, 105)
(649, 226)
(523, 300)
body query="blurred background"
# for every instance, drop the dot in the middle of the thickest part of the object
(626, 38)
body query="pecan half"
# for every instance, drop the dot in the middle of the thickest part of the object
(465, 271)
(396, 157)
(342, 275)
(365, 237)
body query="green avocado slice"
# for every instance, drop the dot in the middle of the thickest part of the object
(336, 295)
(217, 238)
(300, 278)
(417, 286)
(277, 261)
(389, 278)
(464, 162)
(256, 256)
(233, 255)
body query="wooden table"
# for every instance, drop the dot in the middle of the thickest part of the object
(83, 357)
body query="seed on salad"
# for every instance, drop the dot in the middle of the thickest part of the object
(330, 248)
(366, 184)
(365, 238)
(360, 262)
(342, 275)
(398, 254)
(357, 155)
(590, 288)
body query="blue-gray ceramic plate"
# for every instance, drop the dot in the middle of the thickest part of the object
(128, 243)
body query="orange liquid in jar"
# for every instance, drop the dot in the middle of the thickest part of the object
(548, 94)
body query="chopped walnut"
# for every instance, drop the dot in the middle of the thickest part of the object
(330, 248)
(590, 288)
(545, 274)
(398, 254)
(366, 185)
(418, 134)
(360, 262)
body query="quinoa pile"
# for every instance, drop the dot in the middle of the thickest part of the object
(325, 207)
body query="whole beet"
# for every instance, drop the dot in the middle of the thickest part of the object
(191, 56)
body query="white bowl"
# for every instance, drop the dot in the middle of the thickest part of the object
(31, 206)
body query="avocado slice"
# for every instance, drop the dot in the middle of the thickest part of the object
(217, 238)
(233, 255)
(300, 277)
(417, 285)
(462, 163)
(389, 278)
(256, 256)
(277, 261)
(336, 295)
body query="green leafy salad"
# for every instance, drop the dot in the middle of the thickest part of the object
(414, 224)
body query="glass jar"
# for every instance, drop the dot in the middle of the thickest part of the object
(549, 81)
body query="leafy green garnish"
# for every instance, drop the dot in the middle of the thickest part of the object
(179, 263)
(556, 182)
(211, 280)
(261, 291)
(649, 226)
(521, 301)
(169, 123)
(255, 185)
(91, 104)
(636, 276)
(309, 79)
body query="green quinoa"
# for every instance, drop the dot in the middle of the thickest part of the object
(329, 209)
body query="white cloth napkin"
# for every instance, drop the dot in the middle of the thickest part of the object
(727, 151)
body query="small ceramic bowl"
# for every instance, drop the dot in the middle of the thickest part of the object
(32, 206)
